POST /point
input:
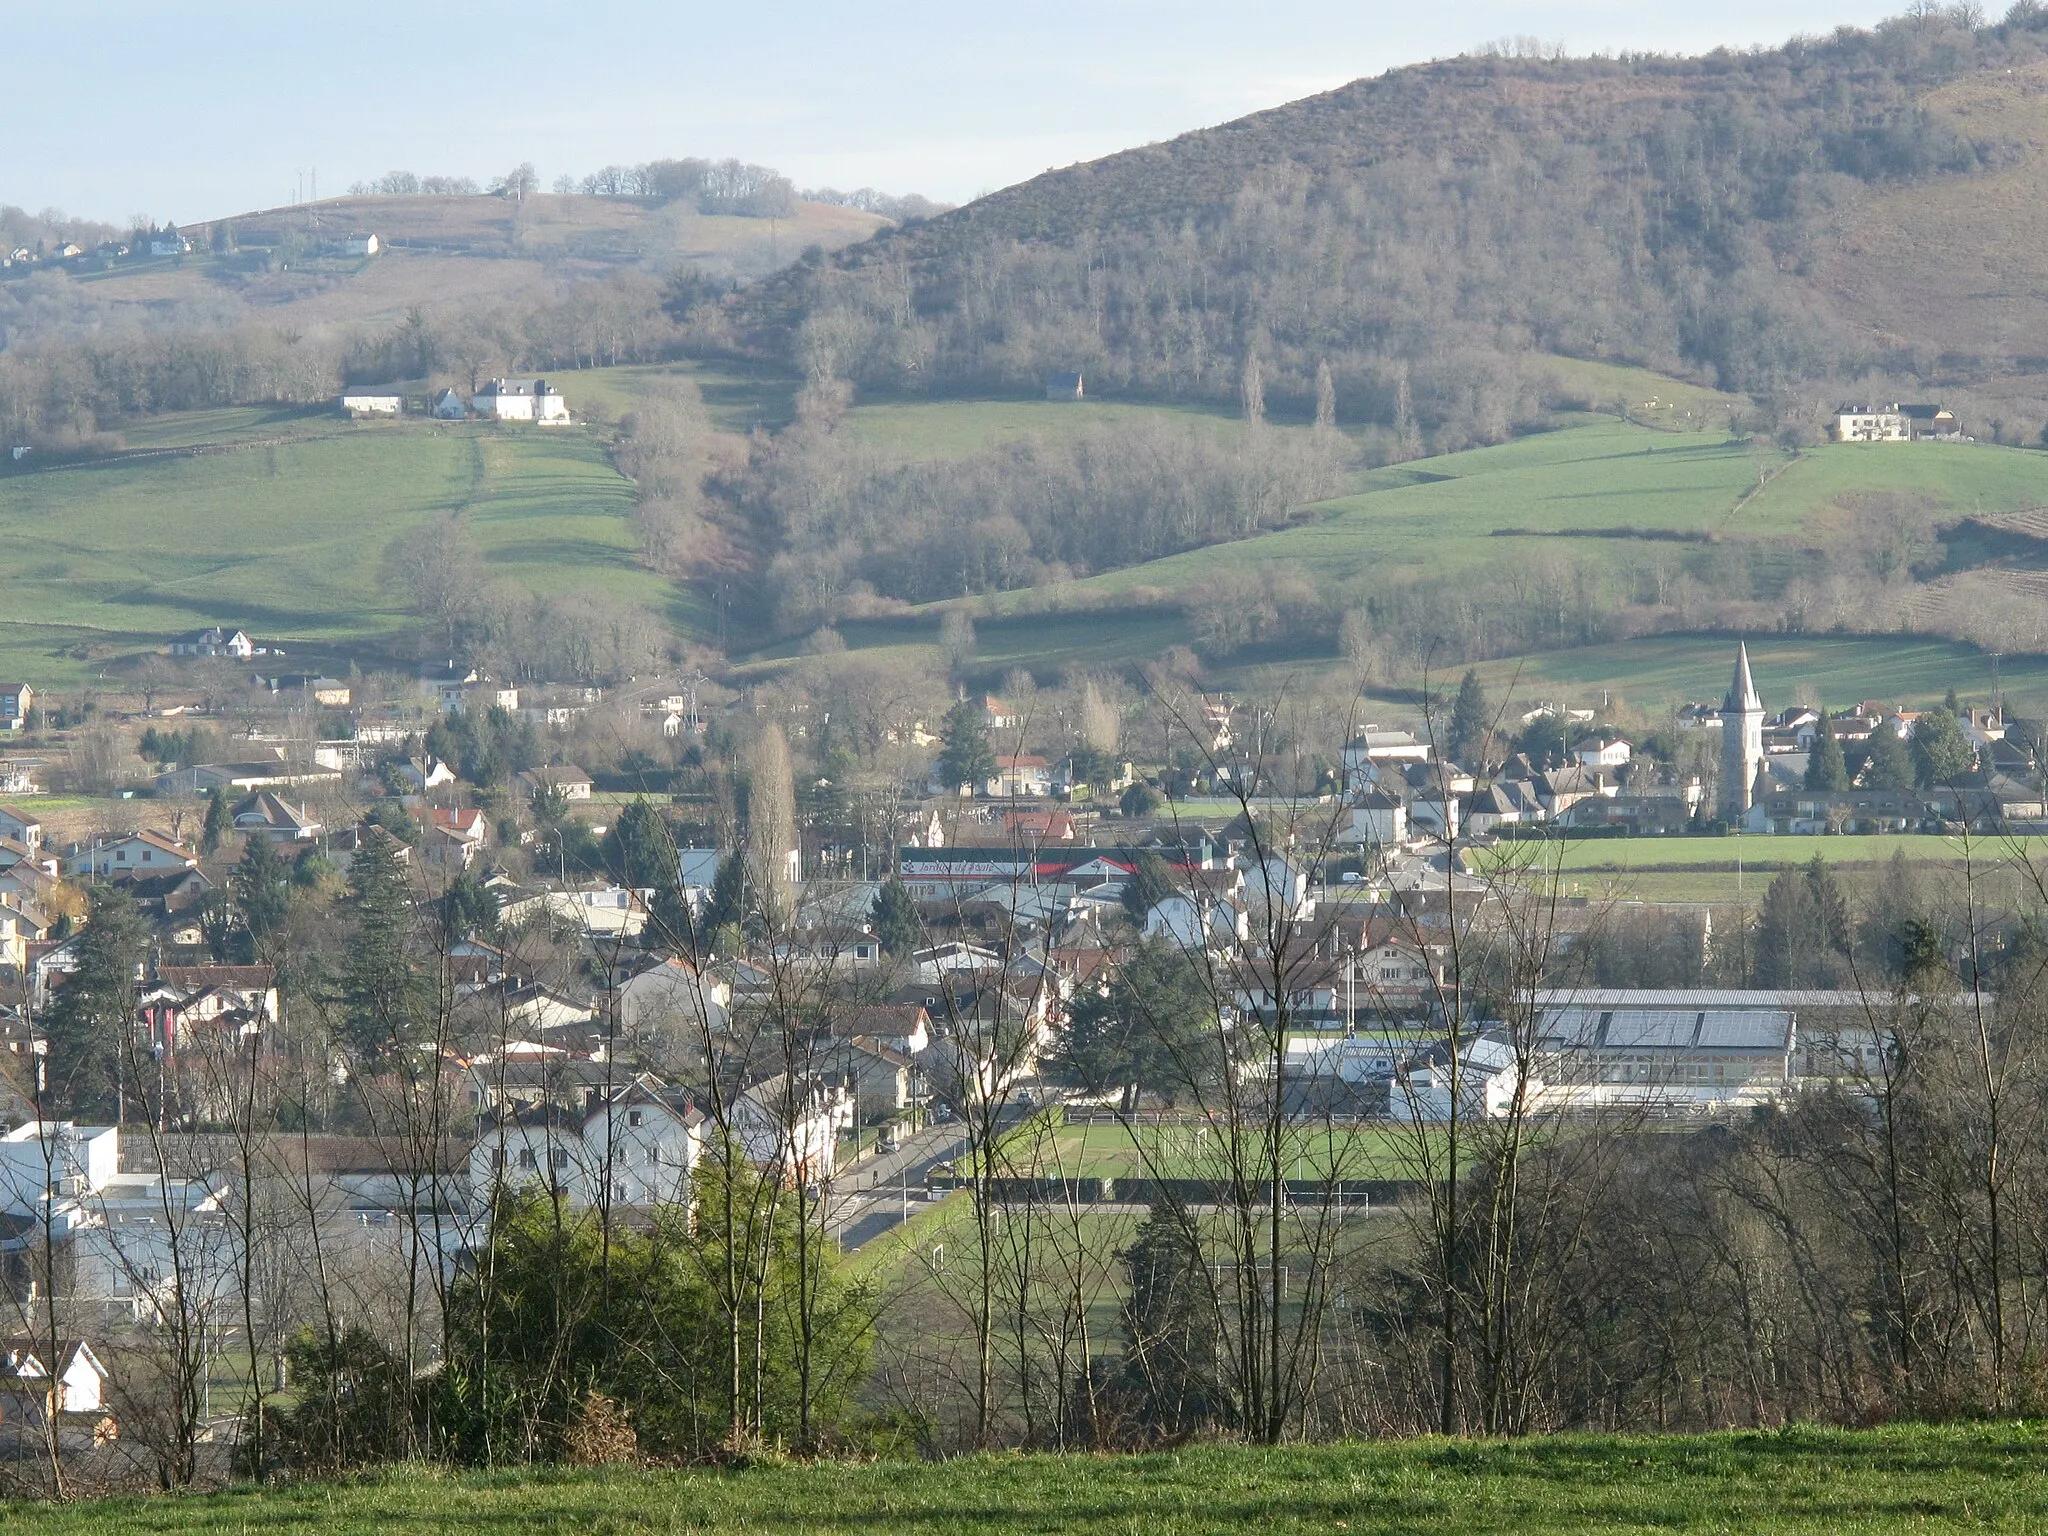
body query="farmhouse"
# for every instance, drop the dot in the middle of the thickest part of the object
(169, 243)
(232, 643)
(533, 400)
(1895, 423)
(361, 245)
(448, 406)
(16, 700)
(372, 402)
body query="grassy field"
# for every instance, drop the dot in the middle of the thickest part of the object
(1797, 1480)
(287, 540)
(1175, 1152)
(1583, 491)
(1837, 670)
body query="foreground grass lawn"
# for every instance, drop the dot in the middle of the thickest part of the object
(1976, 1478)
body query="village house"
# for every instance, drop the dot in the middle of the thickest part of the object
(19, 778)
(372, 402)
(16, 700)
(233, 644)
(1019, 777)
(572, 782)
(635, 1144)
(361, 245)
(122, 853)
(30, 1390)
(1373, 751)
(533, 400)
(275, 820)
(1895, 423)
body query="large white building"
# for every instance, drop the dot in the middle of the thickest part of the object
(533, 400)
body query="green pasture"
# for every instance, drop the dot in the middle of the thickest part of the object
(1659, 671)
(738, 396)
(287, 540)
(1390, 1151)
(1775, 1482)
(1602, 490)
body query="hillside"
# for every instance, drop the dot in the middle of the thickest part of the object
(1793, 1480)
(281, 527)
(442, 252)
(1778, 223)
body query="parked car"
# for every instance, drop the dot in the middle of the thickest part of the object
(887, 1144)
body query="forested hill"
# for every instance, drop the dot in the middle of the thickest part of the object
(1782, 222)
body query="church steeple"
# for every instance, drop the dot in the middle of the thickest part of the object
(1742, 741)
(1741, 691)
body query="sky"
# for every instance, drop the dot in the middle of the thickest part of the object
(193, 109)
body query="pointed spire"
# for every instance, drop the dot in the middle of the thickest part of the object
(1742, 692)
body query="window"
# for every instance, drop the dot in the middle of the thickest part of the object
(498, 1160)
(634, 1117)
(558, 1157)
(526, 1157)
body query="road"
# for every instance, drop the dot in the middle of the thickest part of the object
(870, 1198)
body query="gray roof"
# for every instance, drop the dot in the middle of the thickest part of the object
(1697, 998)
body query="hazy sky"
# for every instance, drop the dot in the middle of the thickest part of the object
(188, 109)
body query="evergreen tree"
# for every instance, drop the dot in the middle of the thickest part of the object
(1887, 764)
(1802, 930)
(383, 996)
(1153, 1025)
(217, 823)
(1826, 769)
(895, 919)
(727, 905)
(639, 849)
(261, 887)
(1151, 882)
(1170, 1331)
(965, 758)
(92, 1020)
(1942, 753)
(1470, 724)
(469, 909)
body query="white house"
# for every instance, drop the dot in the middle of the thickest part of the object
(448, 406)
(231, 643)
(16, 700)
(22, 828)
(26, 1380)
(144, 852)
(1020, 777)
(1378, 820)
(361, 245)
(790, 1126)
(672, 995)
(637, 1145)
(572, 781)
(1194, 920)
(372, 402)
(533, 400)
(169, 243)
(1602, 752)
(1373, 750)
